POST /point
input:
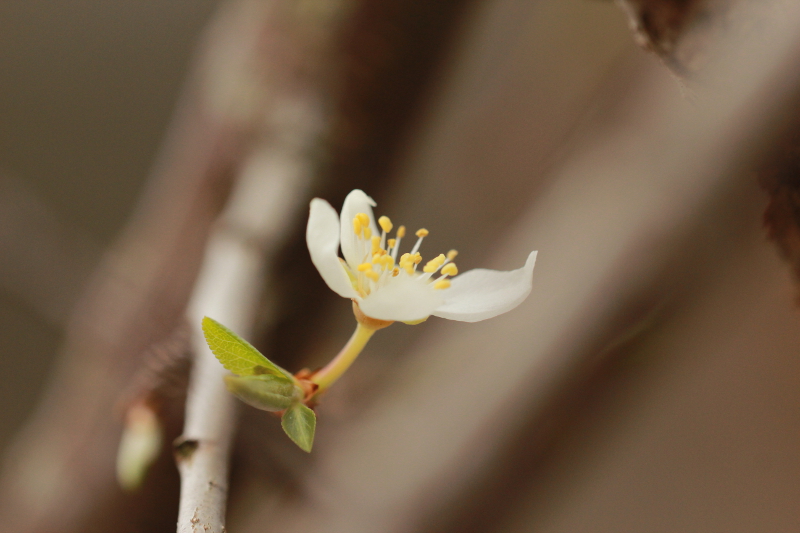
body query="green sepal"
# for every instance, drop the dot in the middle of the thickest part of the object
(299, 422)
(267, 392)
(236, 354)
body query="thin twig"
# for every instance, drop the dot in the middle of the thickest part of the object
(228, 289)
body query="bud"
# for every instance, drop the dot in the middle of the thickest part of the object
(139, 446)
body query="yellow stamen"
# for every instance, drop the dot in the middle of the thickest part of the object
(422, 232)
(395, 272)
(409, 268)
(452, 254)
(364, 218)
(450, 269)
(434, 264)
(367, 232)
(371, 274)
(363, 267)
(401, 232)
(442, 284)
(357, 226)
(387, 261)
(376, 244)
(376, 257)
(385, 224)
(392, 243)
(417, 258)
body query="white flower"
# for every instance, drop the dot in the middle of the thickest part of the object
(388, 288)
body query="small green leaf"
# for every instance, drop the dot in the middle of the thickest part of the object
(299, 423)
(236, 354)
(267, 392)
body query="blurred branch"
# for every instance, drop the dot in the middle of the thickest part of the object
(683, 34)
(660, 25)
(779, 176)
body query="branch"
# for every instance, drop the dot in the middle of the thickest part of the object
(266, 201)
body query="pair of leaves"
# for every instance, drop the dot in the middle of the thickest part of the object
(261, 383)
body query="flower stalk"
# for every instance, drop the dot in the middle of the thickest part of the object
(339, 364)
(365, 328)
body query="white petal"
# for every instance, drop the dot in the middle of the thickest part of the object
(356, 202)
(322, 237)
(404, 299)
(480, 294)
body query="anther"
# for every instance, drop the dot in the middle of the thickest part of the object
(452, 254)
(385, 224)
(374, 276)
(434, 264)
(395, 272)
(367, 232)
(363, 267)
(357, 226)
(450, 269)
(401, 232)
(442, 284)
(407, 262)
(421, 233)
(364, 218)
(392, 243)
(376, 244)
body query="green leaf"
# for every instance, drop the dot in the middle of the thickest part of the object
(299, 423)
(236, 354)
(266, 392)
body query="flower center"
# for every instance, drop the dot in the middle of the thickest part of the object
(379, 263)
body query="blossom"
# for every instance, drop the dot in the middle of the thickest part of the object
(390, 286)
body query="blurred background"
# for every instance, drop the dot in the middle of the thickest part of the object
(86, 91)
(649, 383)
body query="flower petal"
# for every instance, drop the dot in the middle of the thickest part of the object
(480, 294)
(404, 299)
(356, 202)
(322, 237)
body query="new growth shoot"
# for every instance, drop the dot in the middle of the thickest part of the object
(384, 286)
